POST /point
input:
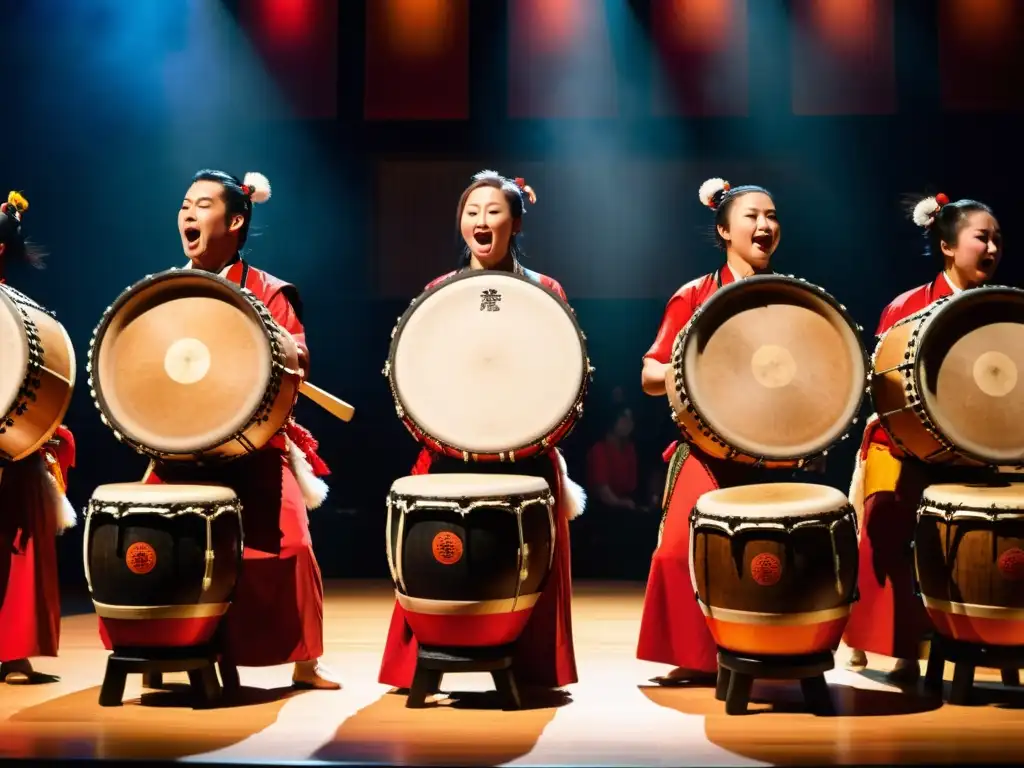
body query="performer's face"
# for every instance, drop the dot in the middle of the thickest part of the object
(208, 235)
(753, 229)
(978, 248)
(487, 225)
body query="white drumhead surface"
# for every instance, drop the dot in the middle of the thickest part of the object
(998, 497)
(140, 493)
(771, 500)
(488, 381)
(464, 486)
(13, 352)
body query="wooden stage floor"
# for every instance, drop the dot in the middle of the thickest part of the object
(614, 716)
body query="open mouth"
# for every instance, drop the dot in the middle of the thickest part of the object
(987, 263)
(192, 235)
(763, 241)
(484, 238)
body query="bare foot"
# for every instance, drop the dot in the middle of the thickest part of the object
(313, 674)
(858, 660)
(20, 672)
(683, 676)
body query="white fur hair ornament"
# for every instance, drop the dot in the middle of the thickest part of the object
(256, 186)
(575, 495)
(926, 210)
(711, 192)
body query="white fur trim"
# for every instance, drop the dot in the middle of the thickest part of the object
(709, 189)
(924, 212)
(57, 505)
(856, 494)
(314, 490)
(575, 497)
(260, 185)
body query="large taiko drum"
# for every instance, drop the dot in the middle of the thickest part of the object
(969, 553)
(770, 371)
(37, 374)
(187, 365)
(775, 567)
(488, 366)
(470, 554)
(945, 380)
(162, 561)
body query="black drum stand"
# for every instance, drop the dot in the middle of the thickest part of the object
(432, 662)
(200, 662)
(967, 657)
(736, 675)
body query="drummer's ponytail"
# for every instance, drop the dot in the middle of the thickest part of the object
(719, 195)
(942, 220)
(239, 195)
(12, 213)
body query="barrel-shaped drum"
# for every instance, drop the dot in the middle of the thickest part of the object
(946, 380)
(770, 371)
(186, 365)
(469, 554)
(37, 374)
(969, 553)
(162, 561)
(774, 566)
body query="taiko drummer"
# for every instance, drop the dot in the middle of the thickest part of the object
(276, 616)
(33, 510)
(489, 215)
(673, 629)
(889, 619)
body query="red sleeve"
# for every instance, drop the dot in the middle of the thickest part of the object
(555, 286)
(284, 313)
(677, 314)
(597, 466)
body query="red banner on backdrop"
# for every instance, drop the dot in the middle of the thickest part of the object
(980, 62)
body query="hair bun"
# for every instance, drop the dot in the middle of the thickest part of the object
(712, 191)
(257, 186)
(926, 210)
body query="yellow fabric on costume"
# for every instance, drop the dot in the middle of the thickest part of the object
(881, 470)
(53, 467)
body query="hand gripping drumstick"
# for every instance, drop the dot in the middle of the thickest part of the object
(334, 405)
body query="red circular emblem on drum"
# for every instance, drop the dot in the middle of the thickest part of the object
(766, 569)
(140, 558)
(1011, 564)
(447, 548)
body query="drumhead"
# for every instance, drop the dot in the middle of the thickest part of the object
(1010, 496)
(970, 372)
(488, 362)
(163, 494)
(181, 362)
(468, 486)
(775, 366)
(13, 351)
(768, 501)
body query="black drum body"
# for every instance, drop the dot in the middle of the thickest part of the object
(162, 570)
(470, 554)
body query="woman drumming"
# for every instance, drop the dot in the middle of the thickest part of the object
(673, 629)
(889, 619)
(489, 217)
(33, 511)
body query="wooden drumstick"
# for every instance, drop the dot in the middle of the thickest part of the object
(334, 405)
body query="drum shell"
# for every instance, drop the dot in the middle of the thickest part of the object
(270, 417)
(471, 600)
(970, 573)
(165, 606)
(779, 614)
(56, 382)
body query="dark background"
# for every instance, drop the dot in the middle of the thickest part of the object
(368, 133)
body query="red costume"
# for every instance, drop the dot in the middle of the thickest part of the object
(276, 614)
(889, 619)
(673, 629)
(544, 655)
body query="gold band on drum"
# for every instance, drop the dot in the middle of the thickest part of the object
(973, 610)
(467, 607)
(155, 612)
(734, 616)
